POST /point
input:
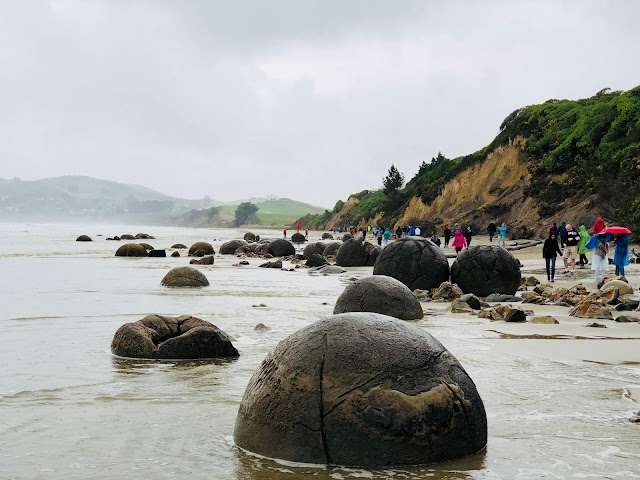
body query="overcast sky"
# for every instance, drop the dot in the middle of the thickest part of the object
(311, 100)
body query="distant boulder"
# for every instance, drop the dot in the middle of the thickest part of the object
(331, 249)
(314, 248)
(373, 254)
(127, 236)
(316, 260)
(249, 237)
(379, 294)
(206, 248)
(146, 246)
(486, 269)
(83, 238)
(281, 248)
(298, 238)
(144, 236)
(185, 277)
(346, 236)
(415, 261)
(208, 260)
(178, 245)
(230, 247)
(158, 253)
(176, 254)
(131, 250)
(327, 236)
(171, 338)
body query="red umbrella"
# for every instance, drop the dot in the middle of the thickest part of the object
(616, 230)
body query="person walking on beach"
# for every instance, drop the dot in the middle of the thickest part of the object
(418, 232)
(554, 229)
(398, 232)
(492, 230)
(550, 251)
(598, 226)
(458, 241)
(447, 236)
(285, 233)
(467, 236)
(621, 253)
(582, 245)
(570, 246)
(502, 234)
(379, 236)
(600, 261)
(562, 232)
(387, 235)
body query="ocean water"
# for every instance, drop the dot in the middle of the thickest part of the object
(70, 410)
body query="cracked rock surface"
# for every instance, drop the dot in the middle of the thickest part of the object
(416, 262)
(185, 277)
(206, 248)
(361, 390)
(172, 338)
(380, 294)
(486, 269)
(353, 253)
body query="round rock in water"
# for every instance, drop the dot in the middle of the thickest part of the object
(314, 248)
(204, 246)
(380, 294)
(83, 238)
(181, 338)
(486, 269)
(298, 238)
(352, 253)
(361, 390)
(178, 245)
(281, 248)
(230, 247)
(185, 277)
(327, 236)
(131, 250)
(416, 262)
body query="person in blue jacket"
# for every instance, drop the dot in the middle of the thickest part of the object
(621, 253)
(502, 234)
(386, 235)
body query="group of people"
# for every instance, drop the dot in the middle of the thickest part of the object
(576, 244)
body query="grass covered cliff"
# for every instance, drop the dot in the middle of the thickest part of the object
(561, 160)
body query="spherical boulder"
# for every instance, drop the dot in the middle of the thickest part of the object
(327, 236)
(131, 250)
(361, 390)
(379, 294)
(281, 248)
(127, 236)
(184, 277)
(204, 246)
(143, 236)
(175, 254)
(298, 238)
(178, 245)
(171, 338)
(486, 269)
(84, 238)
(314, 248)
(316, 260)
(346, 236)
(416, 262)
(373, 255)
(352, 253)
(230, 247)
(249, 237)
(331, 249)
(623, 287)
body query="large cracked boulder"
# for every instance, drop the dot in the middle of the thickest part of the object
(416, 262)
(205, 247)
(131, 250)
(380, 294)
(184, 277)
(314, 248)
(361, 390)
(486, 269)
(171, 338)
(352, 253)
(281, 248)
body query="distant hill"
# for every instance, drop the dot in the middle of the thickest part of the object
(271, 213)
(562, 160)
(80, 198)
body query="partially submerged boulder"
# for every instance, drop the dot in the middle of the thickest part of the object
(316, 260)
(379, 294)
(172, 338)
(486, 269)
(178, 245)
(185, 277)
(131, 250)
(205, 247)
(361, 390)
(281, 248)
(206, 260)
(158, 253)
(83, 238)
(416, 262)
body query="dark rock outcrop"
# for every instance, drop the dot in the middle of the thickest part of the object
(207, 248)
(380, 294)
(374, 253)
(314, 248)
(316, 260)
(230, 247)
(208, 260)
(331, 249)
(249, 237)
(185, 277)
(327, 236)
(281, 248)
(361, 390)
(178, 245)
(176, 254)
(486, 269)
(131, 250)
(83, 238)
(171, 338)
(127, 236)
(346, 236)
(157, 253)
(352, 253)
(416, 262)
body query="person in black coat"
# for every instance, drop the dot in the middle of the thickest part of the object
(467, 236)
(550, 251)
(492, 229)
(447, 236)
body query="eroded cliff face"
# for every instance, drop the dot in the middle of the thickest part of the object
(492, 190)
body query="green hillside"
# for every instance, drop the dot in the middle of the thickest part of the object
(574, 149)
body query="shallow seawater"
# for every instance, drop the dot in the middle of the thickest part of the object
(71, 410)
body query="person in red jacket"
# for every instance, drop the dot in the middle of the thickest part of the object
(598, 226)
(459, 242)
